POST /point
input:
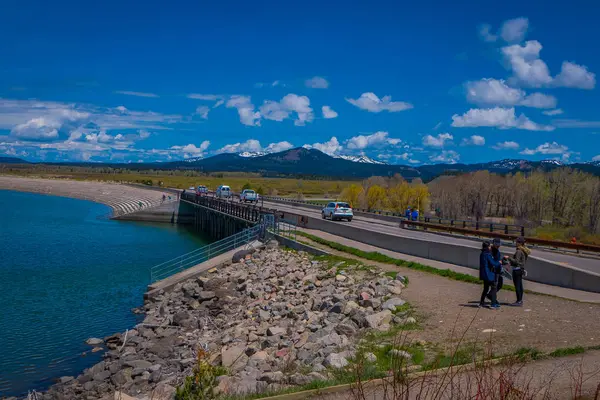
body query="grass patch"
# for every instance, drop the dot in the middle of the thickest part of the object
(528, 353)
(382, 258)
(567, 351)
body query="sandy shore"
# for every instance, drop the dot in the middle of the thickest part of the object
(122, 199)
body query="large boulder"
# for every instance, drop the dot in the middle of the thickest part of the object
(380, 321)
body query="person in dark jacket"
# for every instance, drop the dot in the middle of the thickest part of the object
(488, 268)
(407, 213)
(415, 215)
(517, 261)
(497, 256)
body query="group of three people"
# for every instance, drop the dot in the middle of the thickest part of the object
(411, 214)
(491, 264)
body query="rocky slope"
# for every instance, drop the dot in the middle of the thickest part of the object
(272, 319)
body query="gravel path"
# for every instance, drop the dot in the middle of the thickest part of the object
(447, 308)
(122, 199)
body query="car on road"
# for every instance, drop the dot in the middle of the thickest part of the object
(201, 190)
(337, 210)
(249, 195)
(223, 192)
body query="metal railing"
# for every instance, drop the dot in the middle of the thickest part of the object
(188, 260)
(285, 228)
(251, 213)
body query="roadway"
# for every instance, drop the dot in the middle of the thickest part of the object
(392, 228)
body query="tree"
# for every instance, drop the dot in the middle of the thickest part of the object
(246, 186)
(376, 197)
(352, 194)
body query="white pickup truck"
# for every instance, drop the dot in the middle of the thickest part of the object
(249, 195)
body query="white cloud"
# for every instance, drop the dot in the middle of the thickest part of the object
(137, 94)
(506, 146)
(328, 112)
(202, 111)
(37, 129)
(274, 111)
(547, 148)
(514, 30)
(575, 123)
(277, 147)
(300, 105)
(596, 158)
(503, 118)
(437, 141)
(376, 139)
(446, 156)
(485, 31)
(191, 150)
(370, 102)
(251, 145)
(317, 82)
(498, 93)
(575, 76)
(558, 111)
(331, 147)
(474, 140)
(530, 70)
(207, 97)
(245, 110)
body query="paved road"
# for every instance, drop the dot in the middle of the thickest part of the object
(392, 228)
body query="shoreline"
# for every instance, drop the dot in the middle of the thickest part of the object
(121, 198)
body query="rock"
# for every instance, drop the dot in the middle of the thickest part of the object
(397, 290)
(97, 349)
(392, 303)
(180, 317)
(337, 308)
(411, 320)
(206, 295)
(232, 354)
(351, 305)
(122, 396)
(101, 376)
(380, 320)
(142, 364)
(121, 378)
(94, 341)
(240, 255)
(65, 379)
(336, 361)
(259, 356)
(272, 377)
(344, 329)
(370, 357)
(340, 278)
(400, 354)
(155, 376)
(276, 331)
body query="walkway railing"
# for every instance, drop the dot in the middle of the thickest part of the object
(188, 260)
(247, 212)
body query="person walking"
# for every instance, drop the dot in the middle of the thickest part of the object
(488, 268)
(497, 256)
(518, 261)
(164, 198)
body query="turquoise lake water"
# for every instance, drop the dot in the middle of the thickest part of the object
(68, 273)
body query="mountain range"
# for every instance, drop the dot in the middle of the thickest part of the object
(305, 162)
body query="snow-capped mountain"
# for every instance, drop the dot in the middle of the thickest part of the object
(507, 164)
(552, 162)
(249, 154)
(360, 159)
(193, 159)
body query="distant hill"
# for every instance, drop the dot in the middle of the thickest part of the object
(12, 160)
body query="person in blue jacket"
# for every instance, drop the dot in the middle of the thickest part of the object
(407, 213)
(415, 215)
(488, 268)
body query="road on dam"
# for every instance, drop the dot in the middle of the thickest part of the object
(393, 228)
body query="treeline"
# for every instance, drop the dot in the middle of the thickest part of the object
(563, 197)
(394, 194)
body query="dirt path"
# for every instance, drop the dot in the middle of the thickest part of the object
(447, 308)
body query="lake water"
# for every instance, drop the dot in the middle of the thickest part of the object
(68, 273)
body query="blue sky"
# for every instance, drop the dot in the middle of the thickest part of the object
(402, 83)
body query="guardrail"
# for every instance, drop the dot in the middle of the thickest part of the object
(499, 234)
(188, 260)
(244, 211)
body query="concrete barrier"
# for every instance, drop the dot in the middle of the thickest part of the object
(538, 269)
(292, 244)
(168, 212)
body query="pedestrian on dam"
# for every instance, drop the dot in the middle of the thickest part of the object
(518, 261)
(415, 215)
(497, 256)
(488, 268)
(407, 213)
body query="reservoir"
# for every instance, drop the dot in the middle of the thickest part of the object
(68, 273)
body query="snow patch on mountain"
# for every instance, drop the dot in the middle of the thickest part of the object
(359, 159)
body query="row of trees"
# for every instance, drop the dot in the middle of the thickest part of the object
(395, 194)
(562, 197)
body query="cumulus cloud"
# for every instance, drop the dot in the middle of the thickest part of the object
(202, 111)
(377, 139)
(497, 93)
(550, 148)
(446, 156)
(37, 129)
(558, 111)
(474, 140)
(277, 147)
(485, 31)
(370, 102)
(498, 117)
(137, 94)
(506, 146)
(575, 76)
(529, 70)
(328, 112)
(317, 82)
(437, 141)
(191, 150)
(245, 109)
(596, 158)
(331, 147)
(254, 146)
(514, 30)
(274, 111)
(290, 103)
